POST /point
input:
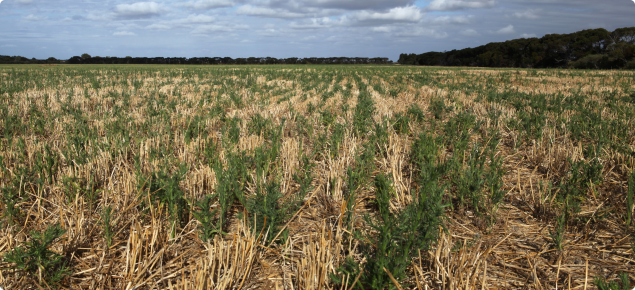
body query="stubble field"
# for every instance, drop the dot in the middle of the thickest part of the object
(316, 177)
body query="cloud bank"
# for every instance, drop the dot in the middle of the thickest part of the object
(288, 28)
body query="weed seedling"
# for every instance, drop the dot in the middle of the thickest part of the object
(206, 215)
(630, 199)
(268, 211)
(557, 234)
(36, 259)
(622, 284)
(106, 217)
(164, 189)
(397, 236)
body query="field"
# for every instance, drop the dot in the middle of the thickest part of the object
(316, 177)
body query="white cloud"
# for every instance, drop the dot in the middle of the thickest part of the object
(470, 32)
(451, 5)
(509, 29)
(268, 12)
(271, 32)
(23, 1)
(445, 20)
(363, 18)
(214, 28)
(529, 14)
(200, 18)
(315, 23)
(98, 17)
(354, 4)
(528, 35)
(185, 22)
(421, 32)
(125, 26)
(206, 4)
(382, 29)
(397, 14)
(124, 33)
(32, 17)
(139, 9)
(158, 26)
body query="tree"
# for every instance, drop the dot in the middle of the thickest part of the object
(85, 56)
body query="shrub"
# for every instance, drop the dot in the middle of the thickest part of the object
(593, 61)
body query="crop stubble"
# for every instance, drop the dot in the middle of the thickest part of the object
(78, 139)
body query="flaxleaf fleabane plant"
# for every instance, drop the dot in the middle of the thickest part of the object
(37, 260)
(106, 217)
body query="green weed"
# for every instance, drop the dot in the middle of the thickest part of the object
(11, 212)
(396, 237)
(162, 189)
(35, 258)
(622, 284)
(364, 110)
(106, 225)
(630, 198)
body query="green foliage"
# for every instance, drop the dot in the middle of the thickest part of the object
(630, 199)
(35, 258)
(327, 117)
(348, 269)
(337, 137)
(258, 125)
(304, 177)
(232, 130)
(47, 164)
(438, 108)
(206, 215)
(357, 177)
(269, 211)
(379, 139)
(229, 187)
(470, 181)
(11, 210)
(622, 284)
(423, 156)
(364, 110)
(396, 237)
(74, 187)
(106, 225)
(549, 51)
(593, 61)
(415, 113)
(161, 189)
(557, 234)
(458, 130)
(494, 176)
(194, 129)
(400, 123)
(573, 188)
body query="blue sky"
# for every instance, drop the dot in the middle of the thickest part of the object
(297, 28)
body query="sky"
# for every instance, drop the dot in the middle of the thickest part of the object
(282, 29)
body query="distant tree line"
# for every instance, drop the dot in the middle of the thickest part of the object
(5, 59)
(87, 59)
(592, 48)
